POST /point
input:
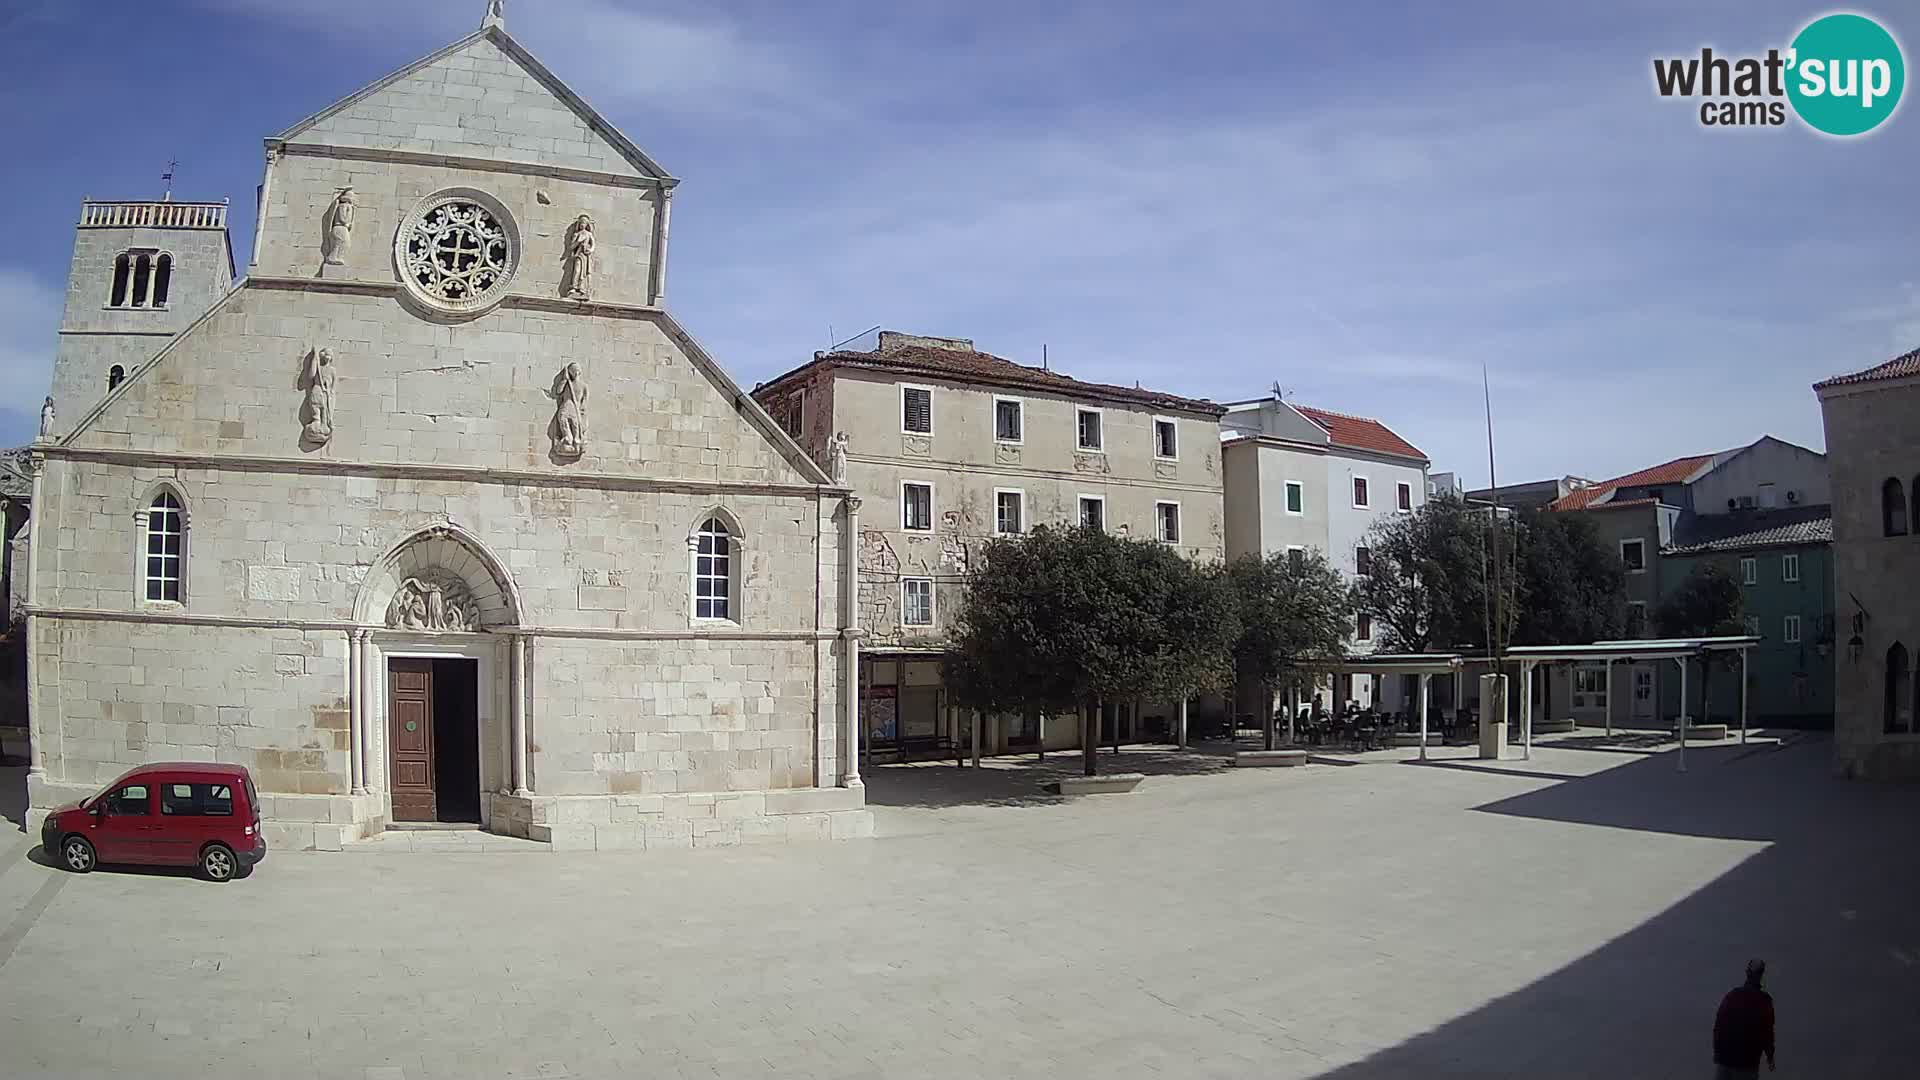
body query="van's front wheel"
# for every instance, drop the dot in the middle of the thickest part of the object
(217, 863)
(77, 854)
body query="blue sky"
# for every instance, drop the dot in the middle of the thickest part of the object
(1361, 201)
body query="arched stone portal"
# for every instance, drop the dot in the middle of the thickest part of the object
(438, 612)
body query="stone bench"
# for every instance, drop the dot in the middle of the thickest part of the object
(1269, 759)
(1554, 727)
(1703, 732)
(1112, 784)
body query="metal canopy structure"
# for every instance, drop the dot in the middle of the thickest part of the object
(1423, 665)
(1679, 650)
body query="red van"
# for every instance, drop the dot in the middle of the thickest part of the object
(186, 813)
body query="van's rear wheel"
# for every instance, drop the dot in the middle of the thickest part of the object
(217, 863)
(77, 855)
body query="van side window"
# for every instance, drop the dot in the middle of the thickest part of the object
(129, 801)
(196, 800)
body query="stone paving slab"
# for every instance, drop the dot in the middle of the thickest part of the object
(1389, 920)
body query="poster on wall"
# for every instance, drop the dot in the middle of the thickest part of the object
(880, 705)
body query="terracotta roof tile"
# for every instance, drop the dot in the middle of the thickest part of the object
(1360, 432)
(1897, 368)
(1671, 472)
(973, 366)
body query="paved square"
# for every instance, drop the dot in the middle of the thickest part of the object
(1578, 915)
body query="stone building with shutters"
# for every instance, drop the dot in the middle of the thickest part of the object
(949, 447)
(438, 515)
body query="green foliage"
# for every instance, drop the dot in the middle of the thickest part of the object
(1057, 618)
(1707, 604)
(1427, 587)
(1290, 615)
(1572, 588)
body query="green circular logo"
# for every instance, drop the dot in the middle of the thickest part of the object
(1845, 74)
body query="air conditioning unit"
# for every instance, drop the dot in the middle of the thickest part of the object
(1746, 501)
(1731, 503)
(1793, 496)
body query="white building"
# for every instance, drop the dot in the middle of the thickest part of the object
(1301, 478)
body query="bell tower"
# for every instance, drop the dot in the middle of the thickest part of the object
(141, 273)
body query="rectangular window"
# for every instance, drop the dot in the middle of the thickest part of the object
(1634, 554)
(1009, 420)
(1090, 435)
(1590, 687)
(1749, 571)
(196, 800)
(1789, 568)
(1093, 512)
(1360, 492)
(165, 534)
(1363, 630)
(1166, 439)
(796, 418)
(1296, 559)
(1296, 497)
(129, 801)
(1790, 632)
(916, 410)
(916, 601)
(1404, 496)
(1363, 561)
(1009, 512)
(1636, 619)
(916, 507)
(1167, 521)
(1751, 624)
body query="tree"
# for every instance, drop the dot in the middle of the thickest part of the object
(1426, 584)
(1573, 589)
(1708, 603)
(1062, 619)
(1294, 612)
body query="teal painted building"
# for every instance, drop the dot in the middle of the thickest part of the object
(1783, 559)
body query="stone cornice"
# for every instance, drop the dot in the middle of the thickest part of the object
(348, 626)
(474, 164)
(477, 474)
(527, 301)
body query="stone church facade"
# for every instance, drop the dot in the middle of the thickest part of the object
(438, 515)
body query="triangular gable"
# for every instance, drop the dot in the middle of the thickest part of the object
(140, 373)
(361, 120)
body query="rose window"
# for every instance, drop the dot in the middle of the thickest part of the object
(457, 251)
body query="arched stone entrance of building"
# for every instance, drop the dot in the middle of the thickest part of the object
(438, 661)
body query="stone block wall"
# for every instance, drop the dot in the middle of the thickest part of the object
(1872, 435)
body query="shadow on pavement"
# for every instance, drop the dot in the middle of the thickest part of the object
(1018, 781)
(1832, 904)
(13, 795)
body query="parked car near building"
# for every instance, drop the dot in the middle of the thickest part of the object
(194, 814)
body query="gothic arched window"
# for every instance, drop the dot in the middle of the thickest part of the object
(122, 277)
(162, 280)
(163, 568)
(1893, 508)
(1899, 712)
(716, 571)
(115, 376)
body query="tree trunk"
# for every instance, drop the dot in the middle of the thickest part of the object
(1038, 725)
(1706, 688)
(1266, 714)
(1090, 739)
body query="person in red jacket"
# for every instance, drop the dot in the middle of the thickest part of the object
(1743, 1028)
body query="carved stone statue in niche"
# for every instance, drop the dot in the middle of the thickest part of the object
(570, 412)
(434, 601)
(316, 411)
(580, 259)
(837, 458)
(46, 417)
(339, 228)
